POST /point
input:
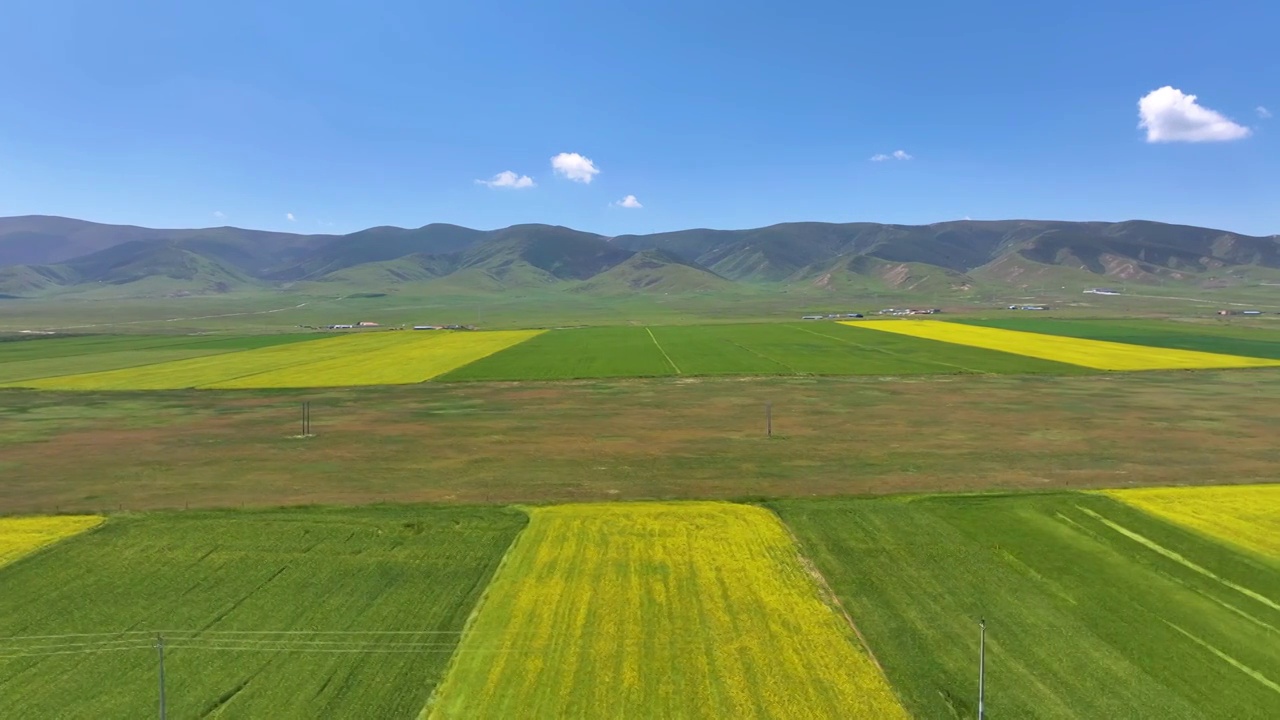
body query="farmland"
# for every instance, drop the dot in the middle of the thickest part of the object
(1245, 515)
(739, 349)
(299, 613)
(1216, 337)
(23, 535)
(865, 348)
(365, 359)
(1094, 609)
(659, 610)
(1098, 354)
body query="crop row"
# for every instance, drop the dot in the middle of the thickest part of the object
(691, 609)
(1097, 354)
(366, 359)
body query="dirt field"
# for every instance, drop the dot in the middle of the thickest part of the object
(653, 439)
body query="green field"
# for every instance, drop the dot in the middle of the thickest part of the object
(1214, 337)
(303, 613)
(44, 357)
(1094, 609)
(729, 349)
(739, 349)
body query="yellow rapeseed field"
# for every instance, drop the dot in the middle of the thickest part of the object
(1097, 354)
(363, 359)
(412, 359)
(1246, 515)
(659, 610)
(22, 535)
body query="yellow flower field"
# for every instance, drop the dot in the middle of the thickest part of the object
(1097, 354)
(364, 359)
(659, 610)
(22, 535)
(1246, 515)
(413, 359)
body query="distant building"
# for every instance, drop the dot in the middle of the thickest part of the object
(1101, 291)
(365, 323)
(341, 327)
(811, 317)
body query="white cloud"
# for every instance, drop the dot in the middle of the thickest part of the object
(1169, 115)
(629, 202)
(219, 214)
(574, 167)
(289, 217)
(1263, 113)
(508, 179)
(896, 155)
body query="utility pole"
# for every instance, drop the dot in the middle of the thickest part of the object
(768, 419)
(160, 649)
(982, 668)
(306, 419)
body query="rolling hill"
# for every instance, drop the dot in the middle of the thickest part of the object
(44, 256)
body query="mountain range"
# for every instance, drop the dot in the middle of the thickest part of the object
(43, 256)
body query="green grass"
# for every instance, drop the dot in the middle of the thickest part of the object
(1085, 618)
(601, 352)
(740, 349)
(311, 581)
(1221, 338)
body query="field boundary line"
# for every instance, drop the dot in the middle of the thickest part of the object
(1227, 658)
(833, 601)
(764, 357)
(467, 627)
(664, 352)
(887, 352)
(1178, 558)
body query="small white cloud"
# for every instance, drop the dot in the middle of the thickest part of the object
(1169, 115)
(630, 202)
(219, 214)
(966, 217)
(574, 167)
(289, 217)
(1263, 113)
(896, 155)
(508, 179)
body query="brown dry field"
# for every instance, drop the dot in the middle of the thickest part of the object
(632, 439)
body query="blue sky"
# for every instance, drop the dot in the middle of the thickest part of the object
(353, 114)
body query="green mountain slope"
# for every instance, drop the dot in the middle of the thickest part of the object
(653, 271)
(941, 259)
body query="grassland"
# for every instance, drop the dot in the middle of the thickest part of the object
(363, 359)
(20, 536)
(638, 439)
(1094, 609)
(656, 611)
(1221, 336)
(1245, 515)
(305, 613)
(1098, 354)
